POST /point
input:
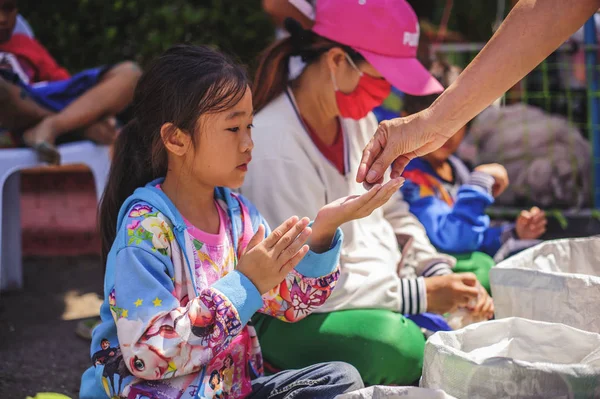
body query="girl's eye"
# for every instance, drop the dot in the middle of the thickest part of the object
(234, 129)
(250, 126)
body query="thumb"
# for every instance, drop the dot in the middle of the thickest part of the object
(400, 163)
(256, 238)
(382, 162)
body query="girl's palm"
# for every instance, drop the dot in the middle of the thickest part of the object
(354, 207)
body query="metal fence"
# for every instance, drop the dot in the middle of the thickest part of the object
(566, 84)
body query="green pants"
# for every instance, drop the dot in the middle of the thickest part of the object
(478, 263)
(384, 346)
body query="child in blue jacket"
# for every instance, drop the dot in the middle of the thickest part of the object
(450, 200)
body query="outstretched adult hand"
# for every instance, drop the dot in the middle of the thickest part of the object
(531, 31)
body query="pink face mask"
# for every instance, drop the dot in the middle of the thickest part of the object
(370, 93)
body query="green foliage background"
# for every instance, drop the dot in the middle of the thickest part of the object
(85, 33)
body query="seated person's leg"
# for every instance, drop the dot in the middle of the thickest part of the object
(477, 263)
(325, 380)
(107, 93)
(384, 346)
(18, 110)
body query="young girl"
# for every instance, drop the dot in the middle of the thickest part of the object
(189, 262)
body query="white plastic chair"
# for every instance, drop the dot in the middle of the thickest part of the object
(11, 162)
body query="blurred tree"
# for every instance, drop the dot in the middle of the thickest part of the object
(472, 19)
(84, 33)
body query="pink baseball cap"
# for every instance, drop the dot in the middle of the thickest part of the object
(385, 32)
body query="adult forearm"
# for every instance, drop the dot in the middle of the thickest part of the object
(532, 30)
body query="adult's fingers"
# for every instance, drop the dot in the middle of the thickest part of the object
(280, 231)
(400, 164)
(372, 150)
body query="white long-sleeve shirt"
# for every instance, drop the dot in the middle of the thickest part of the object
(290, 176)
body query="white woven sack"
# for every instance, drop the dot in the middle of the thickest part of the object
(514, 358)
(556, 281)
(387, 392)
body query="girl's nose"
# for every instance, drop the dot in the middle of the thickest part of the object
(247, 143)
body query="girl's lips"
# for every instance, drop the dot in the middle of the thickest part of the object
(244, 166)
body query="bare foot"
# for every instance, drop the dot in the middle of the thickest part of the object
(41, 138)
(102, 132)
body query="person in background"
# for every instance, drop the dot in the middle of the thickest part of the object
(23, 27)
(311, 125)
(450, 200)
(300, 10)
(40, 101)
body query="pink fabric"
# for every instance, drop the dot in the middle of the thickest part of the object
(207, 238)
(385, 32)
(248, 232)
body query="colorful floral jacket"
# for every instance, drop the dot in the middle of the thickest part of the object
(167, 330)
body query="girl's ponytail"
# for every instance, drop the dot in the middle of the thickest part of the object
(131, 168)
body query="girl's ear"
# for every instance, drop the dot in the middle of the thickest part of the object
(176, 141)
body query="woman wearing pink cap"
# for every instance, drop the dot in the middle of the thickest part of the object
(313, 95)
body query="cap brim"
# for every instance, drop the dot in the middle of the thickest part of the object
(405, 74)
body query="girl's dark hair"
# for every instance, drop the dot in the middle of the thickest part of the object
(445, 73)
(177, 87)
(271, 76)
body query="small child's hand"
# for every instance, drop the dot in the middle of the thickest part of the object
(267, 261)
(531, 224)
(500, 175)
(345, 209)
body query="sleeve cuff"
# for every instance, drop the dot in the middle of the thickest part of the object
(508, 232)
(437, 269)
(318, 265)
(414, 296)
(241, 292)
(483, 180)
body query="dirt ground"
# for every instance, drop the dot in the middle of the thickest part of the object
(39, 351)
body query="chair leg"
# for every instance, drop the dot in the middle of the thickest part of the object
(100, 167)
(11, 262)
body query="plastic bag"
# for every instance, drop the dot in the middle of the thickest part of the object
(514, 358)
(381, 392)
(462, 317)
(557, 281)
